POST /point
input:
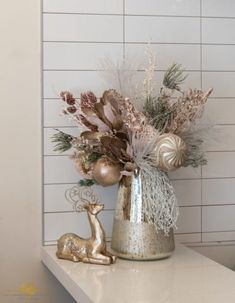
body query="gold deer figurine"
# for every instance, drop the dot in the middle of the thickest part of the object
(93, 250)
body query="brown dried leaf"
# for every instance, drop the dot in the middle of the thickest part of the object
(99, 107)
(122, 136)
(88, 124)
(90, 135)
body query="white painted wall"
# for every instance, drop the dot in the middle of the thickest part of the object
(20, 162)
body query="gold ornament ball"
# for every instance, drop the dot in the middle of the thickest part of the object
(170, 152)
(106, 172)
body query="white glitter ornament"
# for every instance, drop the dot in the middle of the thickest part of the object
(170, 152)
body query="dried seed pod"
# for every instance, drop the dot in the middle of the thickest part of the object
(68, 97)
(71, 109)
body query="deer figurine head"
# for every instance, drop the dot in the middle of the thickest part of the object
(92, 250)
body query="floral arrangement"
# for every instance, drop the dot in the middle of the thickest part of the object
(119, 140)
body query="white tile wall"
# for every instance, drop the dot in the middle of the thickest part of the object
(223, 83)
(218, 191)
(55, 201)
(73, 222)
(64, 27)
(168, 54)
(218, 30)
(162, 29)
(222, 110)
(199, 34)
(220, 165)
(77, 56)
(218, 218)
(188, 192)
(218, 8)
(189, 220)
(75, 81)
(163, 7)
(53, 116)
(84, 7)
(218, 57)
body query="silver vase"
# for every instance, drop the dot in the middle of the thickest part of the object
(133, 236)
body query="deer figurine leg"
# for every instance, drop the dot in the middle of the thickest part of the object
(68, 256)
(99, 259)
(108, 254)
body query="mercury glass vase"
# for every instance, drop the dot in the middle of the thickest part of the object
(133, 236)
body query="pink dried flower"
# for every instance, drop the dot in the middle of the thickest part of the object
(68, 98)
(88, 100)
(132, 118)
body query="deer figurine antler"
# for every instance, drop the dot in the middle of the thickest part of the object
(93, 250)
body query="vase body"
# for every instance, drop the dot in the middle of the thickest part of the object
(133, 236)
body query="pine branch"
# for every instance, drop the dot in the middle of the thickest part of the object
(86, 182)
(174, 77)
(91, 158)
(63, 141)
(158, 111)
(195, 156)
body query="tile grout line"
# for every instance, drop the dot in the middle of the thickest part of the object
(208, 151)
(42, 125)
(137, 42)
(201, 82)
(180, 206)
(138, 70)
(47, 99)
(138, 15)
(124, 31)
(74, 126)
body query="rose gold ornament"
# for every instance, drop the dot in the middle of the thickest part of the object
(170, 152)
(106, 172)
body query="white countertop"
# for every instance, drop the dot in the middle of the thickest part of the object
(186, 277)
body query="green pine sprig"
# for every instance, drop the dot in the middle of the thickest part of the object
(195, 156)
(86, 182)
(63, 141)
(174, 77)
(92, 157)
(158, 111)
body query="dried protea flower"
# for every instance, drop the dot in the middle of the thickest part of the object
(68, 98)
(88, 100)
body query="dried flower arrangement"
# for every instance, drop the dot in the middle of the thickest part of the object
(119, 139)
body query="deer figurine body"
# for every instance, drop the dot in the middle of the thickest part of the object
(92, 250)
